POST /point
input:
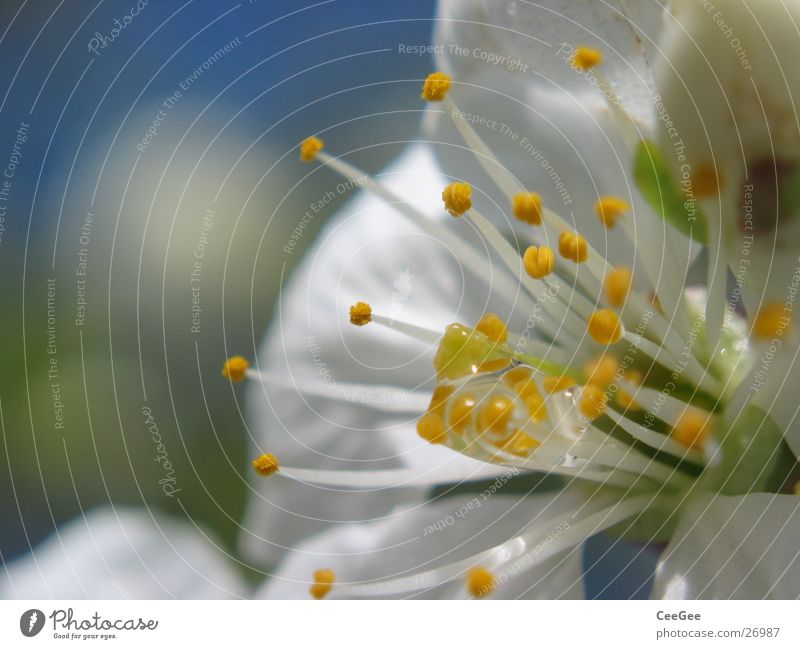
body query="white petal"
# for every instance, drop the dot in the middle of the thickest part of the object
(366, 253)
(437, 533)
(123, 554)
(532, 33)
(742, 547)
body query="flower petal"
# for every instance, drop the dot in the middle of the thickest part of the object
(742, 547)
(123, 554)
(368, 252)
(439, 532)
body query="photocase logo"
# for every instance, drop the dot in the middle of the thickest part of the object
(402, 289)
(31, 622)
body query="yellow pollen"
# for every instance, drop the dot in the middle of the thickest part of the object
(604, 327)
(527, 207)
(537, 410)
(602, 370)
(360, 314)
(323, 582)
(526, 388)
(573, 246)
(493, 328)
(609, 209)
(457, 198)
(480, 582)
(235, 368)
(539, 261)
(441, 393)
(461, 413)
(692, 429)
(517, 374)
(432, 429)
(496, 414)
(618, 285)
(436, 86)
(521, 443)
(553, 384)
(310, 147)
(706, 183)
(593, 401)
(585, 58)
(266, 464)
(771, 321)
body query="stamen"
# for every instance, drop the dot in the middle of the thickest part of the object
(431, 428)
(655, 439)
(464, 351)
(604, 327)
(539, 261)
(772, 321)
(461, 413)
(618, 285)
(266, 464)
(323, 582)
(611, 208)
(624, 398)
(235, 368)
(436, 87)
(585, 58)
(495, 415)
(360, 314)
(493, 328)
(527, 207)
(553, 384)
(593, 401)
(310, 147)
(602, 370)
(480, 582)
(692, 429)
(457, 198)
(573, 246)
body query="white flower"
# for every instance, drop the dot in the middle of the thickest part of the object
(670, 438)
(642, 404)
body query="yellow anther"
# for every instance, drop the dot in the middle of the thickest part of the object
(537, 410)
(323, 582)
(602, 370)
(610, 208)
(496, 414)
(706, 182)
(436, 86)
(593, 401)
(692, 429)
(771, 321)
(464, 351)
(441, 393)
(310, 147)
(573, 246)
(457, 198)
(585, 58)
(461, 413)
(266, 464)
(618, 285)
(235, 368)
(360, 314)
(493, 328)
(539, 261)
(521, 443)
(553, 384)
(604, 327)
(625, 399)
(526, 388)
(480, 582)
(431, 428)
(527, 207)
(517, 374)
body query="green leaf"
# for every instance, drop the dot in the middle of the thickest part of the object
(657, 184)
